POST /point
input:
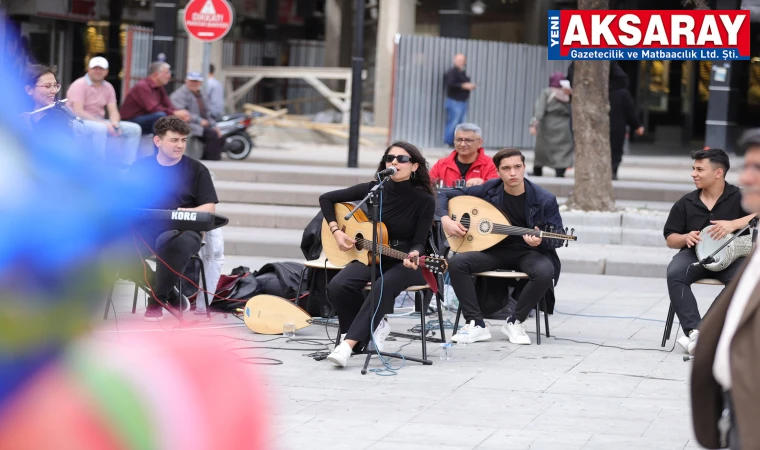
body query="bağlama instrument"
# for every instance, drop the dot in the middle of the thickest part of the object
(741, 246)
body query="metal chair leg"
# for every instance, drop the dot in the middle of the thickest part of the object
(668, 325)
(134, 298)
(419, 295)
(546, 319)
(300, 283)
(205, 286)
(441, 326)
(538, 324)
(456, 321)
(109, 298)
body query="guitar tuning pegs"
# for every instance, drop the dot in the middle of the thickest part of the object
(572, 230)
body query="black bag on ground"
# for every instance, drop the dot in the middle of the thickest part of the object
(240, 284)
(281, 279)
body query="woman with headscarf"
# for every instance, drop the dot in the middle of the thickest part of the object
(551, 126)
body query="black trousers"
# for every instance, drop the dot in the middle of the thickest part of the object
(617, 142)
(173, 247)
(212, 148)
(537, 266)
(681, 275)
(539, 171)
(354, 312)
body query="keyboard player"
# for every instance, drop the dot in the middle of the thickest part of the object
(183, 184)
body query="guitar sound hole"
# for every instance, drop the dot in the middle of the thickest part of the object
(358, 238)
(465, 220)
(484, 226)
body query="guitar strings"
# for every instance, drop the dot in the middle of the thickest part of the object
(510, 229)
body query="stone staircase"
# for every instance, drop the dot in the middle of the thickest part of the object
(270, 200)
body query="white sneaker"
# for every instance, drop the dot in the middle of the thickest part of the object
(516, 333)
(689, 343)
(693, 336)
(471, 333)
(340, 355)
(381, 332)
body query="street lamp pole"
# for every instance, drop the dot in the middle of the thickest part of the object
(357, 62)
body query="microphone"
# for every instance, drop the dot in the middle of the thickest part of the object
(708, 260)
(59, 105)
(387, 172)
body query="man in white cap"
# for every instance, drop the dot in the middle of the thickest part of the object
(91, 97)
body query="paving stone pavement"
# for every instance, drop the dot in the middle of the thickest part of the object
(491, 395)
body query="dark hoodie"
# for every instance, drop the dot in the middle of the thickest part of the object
(622, 109)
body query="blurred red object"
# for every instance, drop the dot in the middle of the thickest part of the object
(177, 391)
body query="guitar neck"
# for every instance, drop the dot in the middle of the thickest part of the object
(382, 249)
(520, 231)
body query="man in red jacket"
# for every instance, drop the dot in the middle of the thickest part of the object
(468, 161)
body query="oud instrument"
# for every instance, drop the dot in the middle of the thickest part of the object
(487, 225)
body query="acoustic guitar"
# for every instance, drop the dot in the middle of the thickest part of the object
(359, 227)
(487, 225)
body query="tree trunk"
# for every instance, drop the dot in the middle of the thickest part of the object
(591, 130)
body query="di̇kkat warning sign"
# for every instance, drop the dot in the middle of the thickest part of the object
(208, 20)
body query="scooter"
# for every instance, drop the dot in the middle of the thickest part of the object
(237, 142)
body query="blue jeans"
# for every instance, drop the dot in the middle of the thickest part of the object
(126, 143)
(455, 112)
(146, 122)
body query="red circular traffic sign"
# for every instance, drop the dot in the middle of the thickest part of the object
(208, 20)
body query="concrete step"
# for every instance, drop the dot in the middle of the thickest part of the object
(267, 216)
(294, 194)
(594, 227)
(669, 169)
(337, 155)
(629, 260)
(297, 173)
(270, 193)
(269, 242)
(288, 173)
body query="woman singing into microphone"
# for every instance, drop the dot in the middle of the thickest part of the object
(407, 209)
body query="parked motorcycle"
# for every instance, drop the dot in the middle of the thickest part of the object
(237, 142)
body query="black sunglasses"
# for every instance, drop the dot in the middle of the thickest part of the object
(400, 158)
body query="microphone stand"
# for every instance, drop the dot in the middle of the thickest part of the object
(373, 198)
(711, 258)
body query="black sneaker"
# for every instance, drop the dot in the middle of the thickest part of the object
(153, 314)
